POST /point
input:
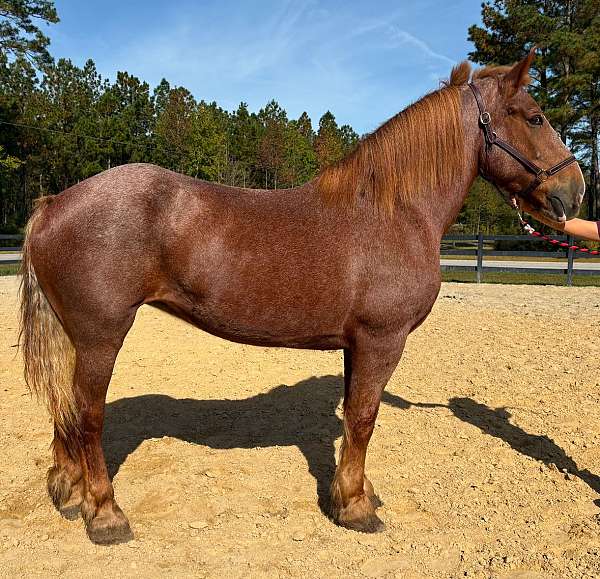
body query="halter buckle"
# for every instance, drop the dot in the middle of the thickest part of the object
(542, 175)
(485, 118)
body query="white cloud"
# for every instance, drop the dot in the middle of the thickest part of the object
(405, 37)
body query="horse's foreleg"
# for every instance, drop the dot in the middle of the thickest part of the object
(367, 368)
(367, 485)
(65, 478)
(104, 520)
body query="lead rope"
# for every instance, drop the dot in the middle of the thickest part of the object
(531, 231)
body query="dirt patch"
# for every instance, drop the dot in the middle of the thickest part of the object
(485, 452)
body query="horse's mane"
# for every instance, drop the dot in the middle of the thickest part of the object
(421, 148)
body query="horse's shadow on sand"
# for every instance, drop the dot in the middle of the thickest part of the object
(303, 415)
(495, 422)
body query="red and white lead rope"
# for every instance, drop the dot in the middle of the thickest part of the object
(551, 240)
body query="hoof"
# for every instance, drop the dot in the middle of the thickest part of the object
(359, 515)
(370, 492)
(70, 512)
(59, 486)
(71, 509)
(109, 528)
(107, 533)
(376, 501)
(370, 524)
(66, 495)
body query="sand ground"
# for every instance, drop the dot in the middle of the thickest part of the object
(485, 454)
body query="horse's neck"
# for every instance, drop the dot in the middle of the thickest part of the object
(440, 208)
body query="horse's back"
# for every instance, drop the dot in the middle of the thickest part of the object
(125, 206)
(212, 254)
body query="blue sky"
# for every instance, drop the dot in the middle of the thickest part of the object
(364, 61)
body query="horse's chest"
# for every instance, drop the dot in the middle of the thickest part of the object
(403, 299)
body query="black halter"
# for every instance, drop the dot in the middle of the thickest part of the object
(491, 138)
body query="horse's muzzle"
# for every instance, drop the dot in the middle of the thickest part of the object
(565, 198)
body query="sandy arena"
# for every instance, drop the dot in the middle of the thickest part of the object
(486, 453)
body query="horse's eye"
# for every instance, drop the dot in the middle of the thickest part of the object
(536, 120)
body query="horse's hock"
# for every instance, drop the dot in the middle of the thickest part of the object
(485, 454)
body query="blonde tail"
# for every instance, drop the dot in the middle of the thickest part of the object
(48, 352)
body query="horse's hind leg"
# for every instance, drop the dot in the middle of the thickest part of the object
(65, 478)
(368, 366)
(79, 481)
(104, 520)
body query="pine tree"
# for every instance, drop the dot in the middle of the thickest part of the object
(349, 138)
(304, 127)
(300, 163)
(208, 144)
(328, 142)
(173, 129)
(127, 119)
(271, 147)
(19, 35)
(67, 107)
(244, 135)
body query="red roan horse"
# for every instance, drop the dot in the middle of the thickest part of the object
(348, 261)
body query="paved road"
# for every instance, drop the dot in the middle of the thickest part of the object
(581, 264)
(10, 257)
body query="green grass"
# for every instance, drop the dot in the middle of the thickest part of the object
(10, 269)
(521, 278)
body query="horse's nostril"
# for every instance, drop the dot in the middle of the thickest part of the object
(558, 206)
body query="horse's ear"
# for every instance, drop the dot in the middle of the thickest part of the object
(460, 74)
(518, 75)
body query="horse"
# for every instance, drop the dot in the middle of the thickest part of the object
(349, 260)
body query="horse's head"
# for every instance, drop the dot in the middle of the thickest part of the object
(521, 153)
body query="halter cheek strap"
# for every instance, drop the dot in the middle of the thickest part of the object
(491, 138)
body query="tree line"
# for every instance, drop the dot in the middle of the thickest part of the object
(60, 123)
(69, 123)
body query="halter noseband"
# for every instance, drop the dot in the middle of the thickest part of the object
(491, 138)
